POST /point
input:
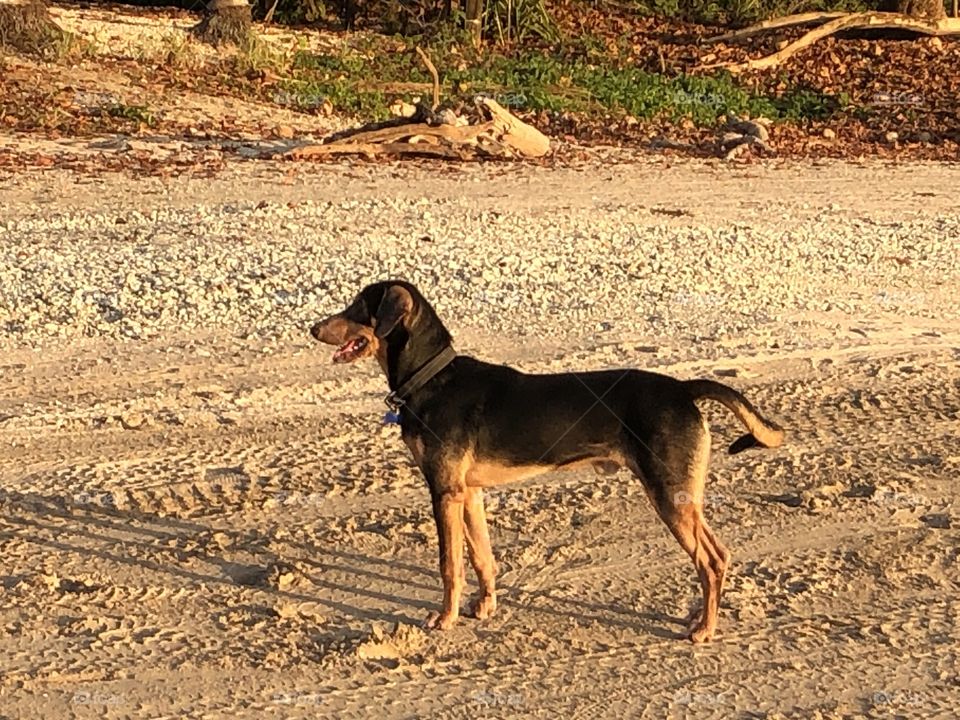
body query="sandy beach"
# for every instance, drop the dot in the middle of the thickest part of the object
(202, 517)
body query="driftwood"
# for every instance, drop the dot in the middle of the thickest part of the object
(432, 69)
(268, 18)
(831, 23)
(776, 23)
(502, 135)
(373, 150)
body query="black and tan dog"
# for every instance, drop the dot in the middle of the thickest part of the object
(471, 425)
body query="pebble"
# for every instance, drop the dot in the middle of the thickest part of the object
(133, 420)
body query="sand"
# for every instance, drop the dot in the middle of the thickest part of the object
(205, 522)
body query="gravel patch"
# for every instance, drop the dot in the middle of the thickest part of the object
(266, 269)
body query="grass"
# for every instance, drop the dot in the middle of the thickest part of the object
(354, 81)
(177, 49)
(69, 48)
(257, 54)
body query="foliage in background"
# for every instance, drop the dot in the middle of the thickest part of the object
(741, 12)
(292, 12)
(519, 20)
(607, 68)
(364, 80)
(528, 16)
(507, 21)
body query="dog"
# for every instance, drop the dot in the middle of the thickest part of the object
(471, 425)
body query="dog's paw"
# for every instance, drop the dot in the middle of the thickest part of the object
(700, 634)
(483, 606)
(440, 621)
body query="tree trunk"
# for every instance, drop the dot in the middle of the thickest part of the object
(26, 26)
(226, 22)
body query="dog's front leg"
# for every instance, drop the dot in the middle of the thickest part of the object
(448, 513)
(481, 554)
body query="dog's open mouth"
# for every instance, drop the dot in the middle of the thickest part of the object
(350, 350)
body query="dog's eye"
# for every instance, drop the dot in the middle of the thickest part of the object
(357, 311)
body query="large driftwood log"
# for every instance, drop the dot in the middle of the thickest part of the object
(501, 136)
(775, 24)
(513, 132)
(831, 24)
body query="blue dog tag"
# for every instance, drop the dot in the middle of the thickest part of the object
(391, 418)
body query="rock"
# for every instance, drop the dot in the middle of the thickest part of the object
(201, 419)
(891, 137)
(118, 144)
(403, 109)
(286, 611)
(286, 580)
(829, 134)
(448, 117)
(284, 132)
(133, 420)
(754, 128)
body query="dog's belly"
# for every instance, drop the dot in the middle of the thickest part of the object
(491, 473)
(486, 474)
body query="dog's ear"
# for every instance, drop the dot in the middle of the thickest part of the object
(396, 305)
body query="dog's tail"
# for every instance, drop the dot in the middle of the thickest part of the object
(763, 432)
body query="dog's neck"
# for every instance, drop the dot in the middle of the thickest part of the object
(414, 351)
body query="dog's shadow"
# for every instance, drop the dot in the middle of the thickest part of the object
(134, 538)
(346, 582)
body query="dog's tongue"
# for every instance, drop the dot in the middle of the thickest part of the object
(343, 352)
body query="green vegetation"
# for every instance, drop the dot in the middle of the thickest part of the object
(135, 113)
(364, 81)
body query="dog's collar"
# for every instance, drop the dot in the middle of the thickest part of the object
(396, 399)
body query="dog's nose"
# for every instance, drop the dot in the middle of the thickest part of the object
(317, 329)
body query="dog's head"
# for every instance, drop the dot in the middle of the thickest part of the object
(387, 320)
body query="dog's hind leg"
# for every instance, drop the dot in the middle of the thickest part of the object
(674, 477)
(481, 554)
(709, 557)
